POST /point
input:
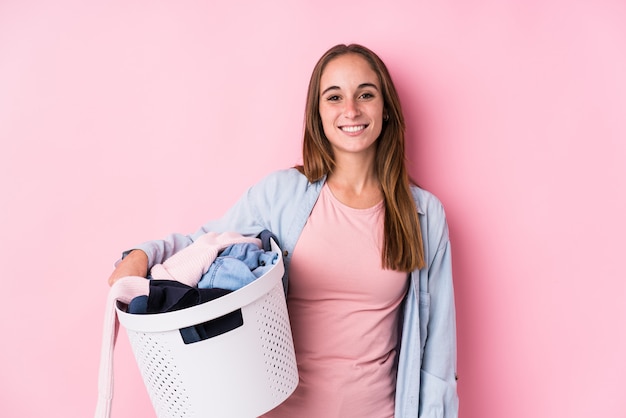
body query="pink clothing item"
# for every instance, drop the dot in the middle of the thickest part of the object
(187, 266)
(123, 290)
(343, 307)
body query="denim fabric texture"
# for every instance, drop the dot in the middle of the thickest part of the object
(237, 266)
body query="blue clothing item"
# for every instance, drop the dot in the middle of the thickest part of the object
(236, 266)
(138, 305)
(257, 260)
(426, 373)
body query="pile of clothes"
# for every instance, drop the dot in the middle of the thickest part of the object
(214, 265)
(236, 266)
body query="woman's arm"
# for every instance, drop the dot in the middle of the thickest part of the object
(242, 217)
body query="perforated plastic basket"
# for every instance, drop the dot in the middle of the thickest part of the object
(243, 372)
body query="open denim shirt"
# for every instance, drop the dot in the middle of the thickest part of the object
(282, 203)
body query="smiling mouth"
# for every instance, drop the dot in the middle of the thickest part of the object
(353, 129)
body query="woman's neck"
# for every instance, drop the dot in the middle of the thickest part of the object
(355, 183)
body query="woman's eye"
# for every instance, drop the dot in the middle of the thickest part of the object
(332, 98)
(367, 96)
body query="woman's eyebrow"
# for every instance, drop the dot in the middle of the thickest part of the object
(372, 85)
(361, 86)
(329, 89)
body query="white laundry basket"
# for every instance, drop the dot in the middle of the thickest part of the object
(244, 372)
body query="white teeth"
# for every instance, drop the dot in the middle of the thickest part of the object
(352, 128)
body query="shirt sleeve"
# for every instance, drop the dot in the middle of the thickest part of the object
(438, 388)
(243, 217)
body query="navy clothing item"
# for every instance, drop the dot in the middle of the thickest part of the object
(170, 295)
(265, 237)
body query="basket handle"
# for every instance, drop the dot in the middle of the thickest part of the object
(212, 328)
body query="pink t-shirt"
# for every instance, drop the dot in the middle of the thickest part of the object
(343, 308)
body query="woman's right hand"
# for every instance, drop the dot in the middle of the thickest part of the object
(134, 264)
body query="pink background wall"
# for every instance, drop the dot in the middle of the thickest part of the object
(122, 121)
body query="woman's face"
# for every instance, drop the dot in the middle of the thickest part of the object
(351, 105)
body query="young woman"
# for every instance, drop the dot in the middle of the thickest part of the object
(367, 255)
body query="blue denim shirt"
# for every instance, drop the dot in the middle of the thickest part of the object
(282, 203)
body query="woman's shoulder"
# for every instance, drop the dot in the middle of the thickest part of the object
(427, 203)
(287, 182)
(432, 216)
(284, 177)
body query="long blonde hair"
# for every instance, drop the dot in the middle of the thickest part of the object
(403, 249)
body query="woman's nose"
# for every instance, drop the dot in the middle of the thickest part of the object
(352, 109)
